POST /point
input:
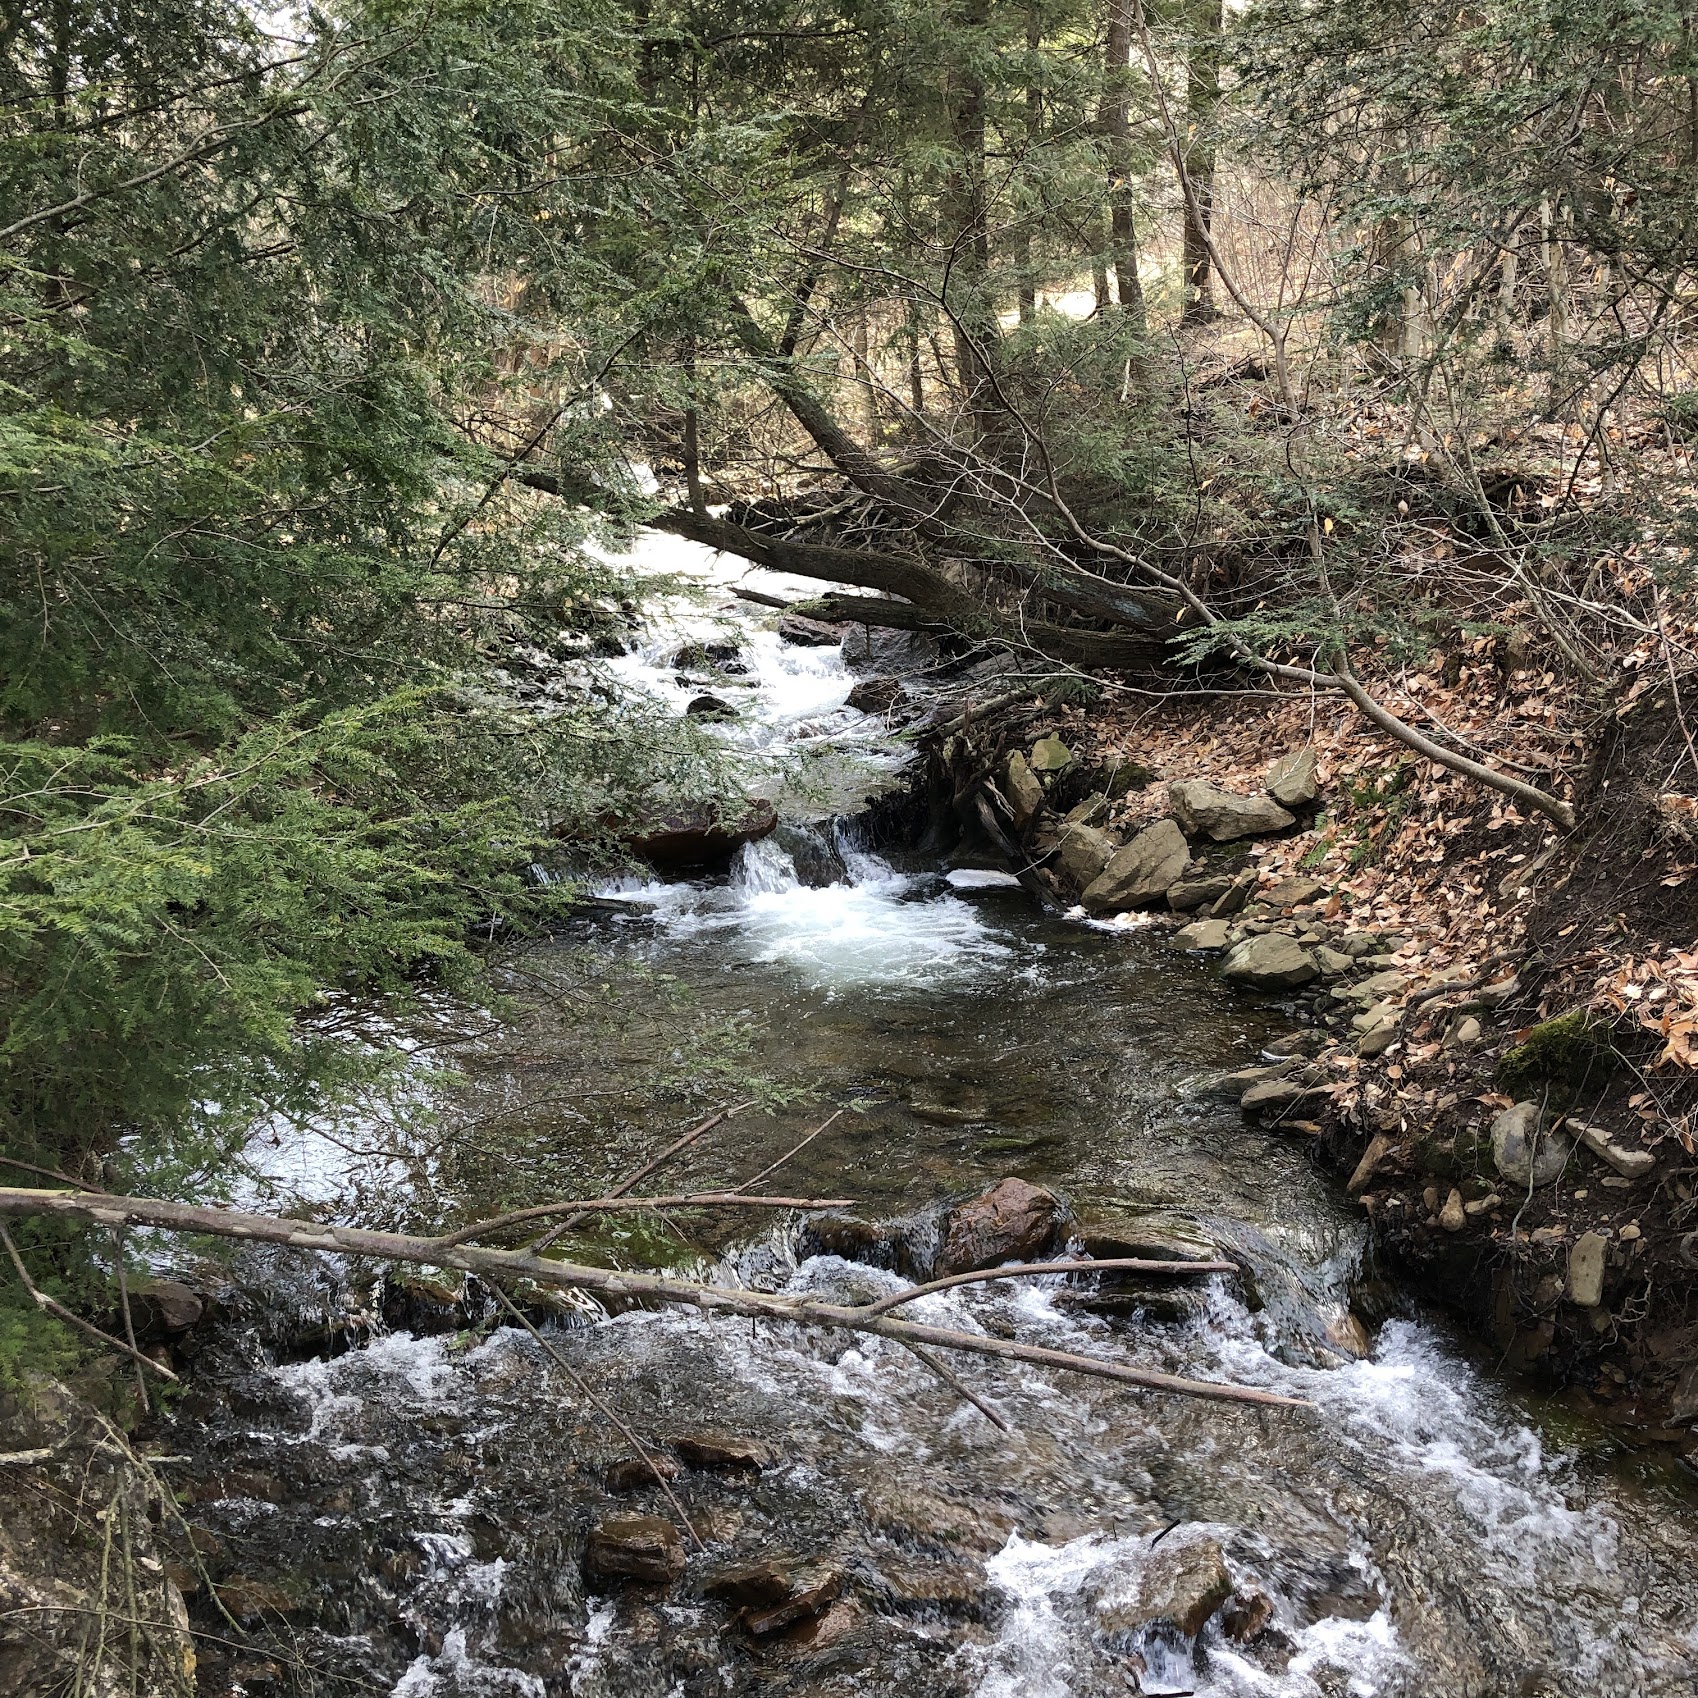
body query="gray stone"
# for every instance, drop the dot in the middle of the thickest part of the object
(1378, 987)
(1192, 893)
(1025, 793)
(1631, 1164)
(1092, 811)
(1332, 962)
(1203, 809)
(1292, 780)
(1085, 851)
(1273, 1093)
(1269, 962)
(1050, 754)
(1201, 934)
(1238, 893)
(1141, 872)
(1291, 892)
(1586, 1270)
(1377, 1039)
(1522, 1154)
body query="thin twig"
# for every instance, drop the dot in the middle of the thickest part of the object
(957, 1385)
(53, 1307)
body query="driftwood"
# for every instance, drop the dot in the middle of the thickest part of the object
(109, 1210)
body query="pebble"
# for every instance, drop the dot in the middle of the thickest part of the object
(1454, 1213)
(1630, 1231)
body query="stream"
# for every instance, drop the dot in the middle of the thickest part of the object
(406, 1497)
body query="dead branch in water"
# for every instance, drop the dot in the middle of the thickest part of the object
(613, 1205)
(106, 1209)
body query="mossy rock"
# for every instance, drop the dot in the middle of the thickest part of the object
(1561, 1054)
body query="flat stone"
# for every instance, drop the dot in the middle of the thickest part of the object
(1273, 1093)
(1203, 809)
(1025, 793)
(1202, 934)
(1586, 1269)
(1522, 1153)
(635, 1473)
(1269, 962)
(750, 1585)
(635, 1547)
(721, 1452)
(1192, 893)
(1631, 1164)
(1333, 963)
(1238, 893)
(1378, 986)
(810, 1597)
(1291, 892)
(1140, 873)
(1085, 852)
(1292, 780)
(1050, 754)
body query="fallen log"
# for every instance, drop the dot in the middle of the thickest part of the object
(112, 1210)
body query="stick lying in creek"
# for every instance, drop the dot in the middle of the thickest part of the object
(106, 1209)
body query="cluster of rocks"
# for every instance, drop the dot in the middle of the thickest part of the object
(1087, 860)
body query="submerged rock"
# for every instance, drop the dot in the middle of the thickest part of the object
(1141, 872)
(1183, 1581)
(1269, 962)
(1012, 1222)
(635, 1547)
(1203, 809)
(809, 1595)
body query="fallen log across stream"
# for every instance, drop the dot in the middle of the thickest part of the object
(117, 1211)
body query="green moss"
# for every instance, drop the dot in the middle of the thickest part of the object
(1561, 1054)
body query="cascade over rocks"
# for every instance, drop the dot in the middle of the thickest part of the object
(1184, 1580)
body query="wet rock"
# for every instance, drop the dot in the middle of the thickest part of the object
(1631, 1164)
(1292, 780)
(710, 707)
(1025, 793)
(750, 1585)
(1012, 1222)
(160, 1307)
(1085, 852)
(1248, 1615)
(810, 1596)
(1050, 755)
(699, 657)
(700, 837)
(1269, 962)
(634, 1547)
(1191, 893)
(1272, 1094)
(1524, 1155)
(248, 1599)
(636, 1473)
(721, 1453)
(809, 633)
(924, 1584)
(1140, 873)
(1586, 1270)
(873, 649)
(1183, 1581)
(875, 695)
(1204, 810)
(1202, 934)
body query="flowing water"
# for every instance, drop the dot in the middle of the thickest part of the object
(419, 1501)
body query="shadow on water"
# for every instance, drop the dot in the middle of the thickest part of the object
(418, 1506)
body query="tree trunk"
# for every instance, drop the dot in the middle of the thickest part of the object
(1202, 97)
(966, 236)
(1116, 124)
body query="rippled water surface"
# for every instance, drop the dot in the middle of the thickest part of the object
(421, 1500)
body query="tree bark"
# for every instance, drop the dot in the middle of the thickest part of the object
(1116, 124)
(1202, 98)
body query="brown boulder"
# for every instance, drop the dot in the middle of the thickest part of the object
(1012, 1222)
(634, 1547)
(722, 1452)
(700, 836)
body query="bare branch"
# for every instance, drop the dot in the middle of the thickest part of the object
(1030, 1270)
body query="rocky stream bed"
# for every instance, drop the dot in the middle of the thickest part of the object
(390, 1488)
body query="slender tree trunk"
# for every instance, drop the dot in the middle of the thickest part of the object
(1034, 131)
(1116, 125)
(967, 231)
(1202, 97)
